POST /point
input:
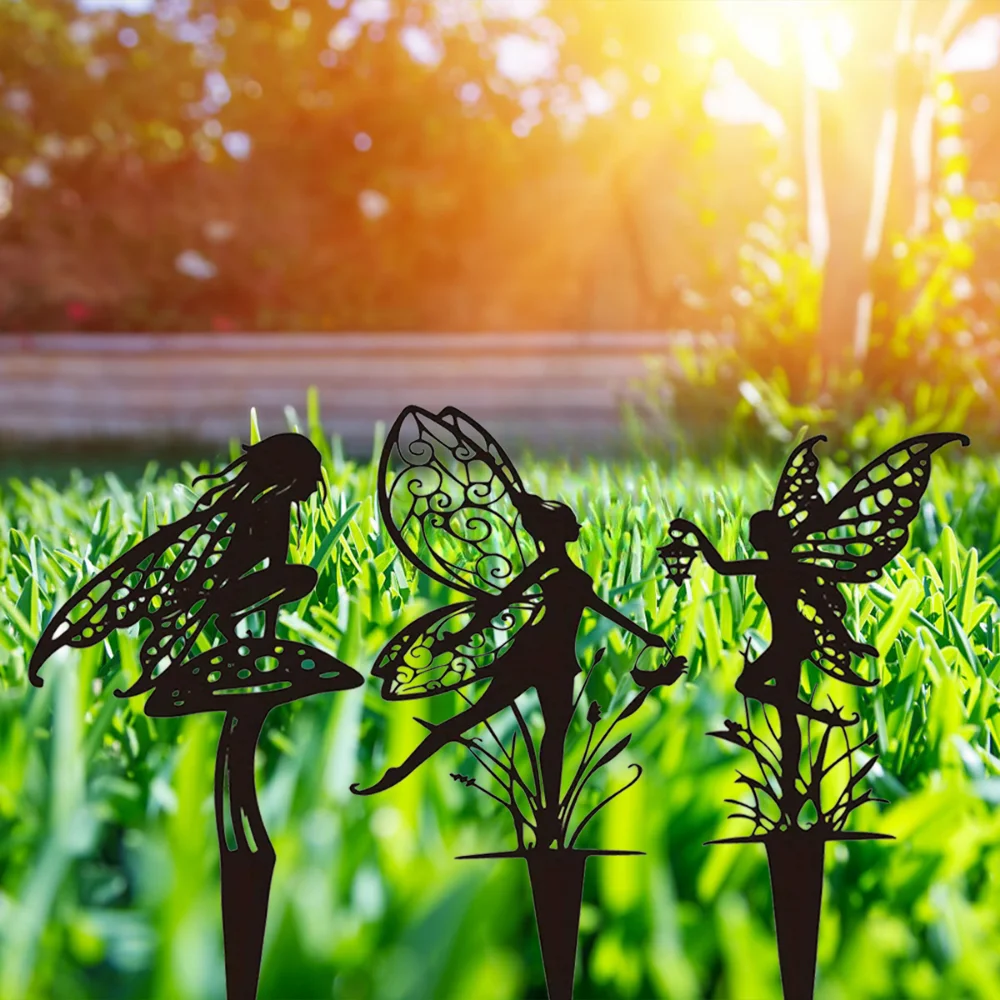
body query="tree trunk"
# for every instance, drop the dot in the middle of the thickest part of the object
(858, 125)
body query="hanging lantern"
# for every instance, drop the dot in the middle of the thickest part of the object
(677, 557)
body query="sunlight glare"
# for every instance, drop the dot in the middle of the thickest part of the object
(784, 33)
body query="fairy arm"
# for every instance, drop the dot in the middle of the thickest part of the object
(727, 567)
(610, 612)
(533, 574)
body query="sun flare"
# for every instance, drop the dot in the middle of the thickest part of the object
(788, 34)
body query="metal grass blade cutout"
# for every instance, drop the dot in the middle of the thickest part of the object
(457, 509)
(222, 565)
(807, 780)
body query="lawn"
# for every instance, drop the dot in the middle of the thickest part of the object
(108, 860)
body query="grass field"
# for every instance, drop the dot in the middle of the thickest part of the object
(108, 861)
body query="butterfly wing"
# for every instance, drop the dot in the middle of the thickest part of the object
(165, 579)
(866, 524)
(823, 605)
(484, 443)
(451, 647)
(798, 491)
(450, 507)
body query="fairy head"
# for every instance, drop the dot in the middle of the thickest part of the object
(769, 532)
(288, 465)
(548, 521)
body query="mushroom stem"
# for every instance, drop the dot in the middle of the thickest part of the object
(245, 852)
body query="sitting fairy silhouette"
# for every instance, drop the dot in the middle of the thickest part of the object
(812, 545)
(224, 563)
(459, 511)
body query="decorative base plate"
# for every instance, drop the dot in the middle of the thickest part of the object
(529, 854)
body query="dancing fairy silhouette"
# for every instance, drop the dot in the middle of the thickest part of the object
(192, 582)
(812, 545)
(521, 580)
(458, 510)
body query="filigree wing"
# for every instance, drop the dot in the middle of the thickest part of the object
(473, 432)
(867, 523)
(798, 491)
(823, 605)
(450, 506)
(165, 579)
(451, 647)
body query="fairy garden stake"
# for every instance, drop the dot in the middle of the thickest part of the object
(812, 545)
(223, 564)
(457, 509)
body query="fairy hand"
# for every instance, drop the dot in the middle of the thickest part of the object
(656, 641)
(665, 674)
(681, 526)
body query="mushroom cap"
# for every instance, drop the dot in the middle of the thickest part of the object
(270, 671)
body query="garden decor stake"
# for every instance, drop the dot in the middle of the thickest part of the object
(222, 564)
(458, 510)
(812, 546)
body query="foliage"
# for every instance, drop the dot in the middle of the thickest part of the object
(363, 165)
(521, 783)
(101, 808)
(930, 364)
(771, 810)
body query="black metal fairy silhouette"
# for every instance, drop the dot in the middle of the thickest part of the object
(460, 513)
(222, 564)
(812, 545)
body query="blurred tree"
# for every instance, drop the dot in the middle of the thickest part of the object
(93, 109)
(376, 164)
(359, 164)
(862, 122)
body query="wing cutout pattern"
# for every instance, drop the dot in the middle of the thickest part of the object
(798, 494)
(451, 647)
(451, 508)
(858, 531)
(166, 579)
(823, 606)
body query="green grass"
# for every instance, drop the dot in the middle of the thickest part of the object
(109, 867)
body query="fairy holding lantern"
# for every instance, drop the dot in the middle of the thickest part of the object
(812, 546)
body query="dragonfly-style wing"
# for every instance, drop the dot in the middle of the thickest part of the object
(823, 605)
(451, 506)
(450, 647)
(858, 531)
(798, 494)
(168, 579)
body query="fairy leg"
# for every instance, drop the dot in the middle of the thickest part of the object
(556, 702)
(497, 697)
(269, 589)
(752, 683)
